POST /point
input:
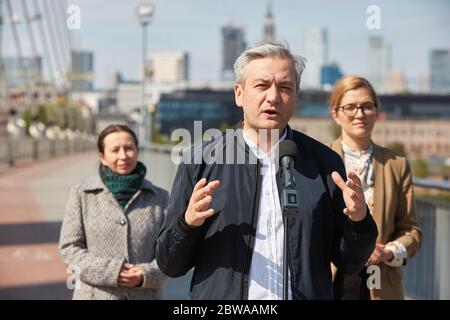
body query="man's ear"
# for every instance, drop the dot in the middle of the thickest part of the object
(238, 90)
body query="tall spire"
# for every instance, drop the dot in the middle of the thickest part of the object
(269, 28)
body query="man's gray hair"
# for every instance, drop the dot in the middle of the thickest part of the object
(265, 50)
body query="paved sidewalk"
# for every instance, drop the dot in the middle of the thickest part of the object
(33, 199)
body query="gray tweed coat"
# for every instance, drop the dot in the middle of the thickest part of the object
(98, 236)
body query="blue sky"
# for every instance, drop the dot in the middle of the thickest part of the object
(110, 29)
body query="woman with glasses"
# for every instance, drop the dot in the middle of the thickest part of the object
(388, 190)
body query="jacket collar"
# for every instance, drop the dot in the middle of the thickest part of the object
(96, 183)
(241, 140)
(336, 145)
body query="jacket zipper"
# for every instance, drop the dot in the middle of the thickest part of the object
(255, 208)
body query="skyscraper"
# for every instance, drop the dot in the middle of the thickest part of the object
(233, 44)
(269, 27)
(316, 54)
(169, 67)
(379, 62)
(81, 77)
(440, 71)
(22, 72)
(395, 82)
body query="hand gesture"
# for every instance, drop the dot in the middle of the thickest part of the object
(353, 194)
(197, 211)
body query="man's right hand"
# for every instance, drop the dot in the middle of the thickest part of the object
(197, 211)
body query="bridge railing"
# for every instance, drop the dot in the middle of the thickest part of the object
(426, 276)
(25, 149)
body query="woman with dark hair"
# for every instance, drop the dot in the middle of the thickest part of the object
(388, 191)
(111, 224)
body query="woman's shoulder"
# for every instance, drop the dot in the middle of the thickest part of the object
(396, 155)
(89, 184)
(394, 158)
(147, 184)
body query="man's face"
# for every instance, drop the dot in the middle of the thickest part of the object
(269, 95)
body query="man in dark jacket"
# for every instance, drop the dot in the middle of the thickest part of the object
(224, 217)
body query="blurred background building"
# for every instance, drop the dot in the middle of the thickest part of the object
(379, 62)
(440, 71)
(233, 44)
(82, 71)
(269, 25)
(168, 67)
(316, 53)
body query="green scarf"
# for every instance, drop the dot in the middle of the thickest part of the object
(123, 187)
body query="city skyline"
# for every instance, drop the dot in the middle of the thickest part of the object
(110, 29)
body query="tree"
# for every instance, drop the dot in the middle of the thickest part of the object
(420, 168)
(42, 114)
(28, 118)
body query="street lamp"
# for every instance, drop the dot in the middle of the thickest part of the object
(144, 12)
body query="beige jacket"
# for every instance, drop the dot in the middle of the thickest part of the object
(393, 212)
(98, 236)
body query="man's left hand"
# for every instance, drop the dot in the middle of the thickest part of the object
(353, 195)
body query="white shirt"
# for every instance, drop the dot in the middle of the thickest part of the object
(266, 269)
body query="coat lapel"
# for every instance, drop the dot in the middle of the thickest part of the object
(95, 184)
(378, 162)
(336, 146)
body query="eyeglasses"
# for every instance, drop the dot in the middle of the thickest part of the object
(351, 109)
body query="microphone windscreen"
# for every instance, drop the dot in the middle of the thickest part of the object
(287, 148)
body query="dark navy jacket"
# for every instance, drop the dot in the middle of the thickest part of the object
(220, 251)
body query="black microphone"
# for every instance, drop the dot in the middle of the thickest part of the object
(289, 197)
(289, 200)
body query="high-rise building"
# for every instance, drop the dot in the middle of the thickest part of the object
(316, 54)
(440, 71)
(330, 74)
(395, 82)
(169, 67)
(18, 72)
(233, 44)
(82, 71)
(379, 62)
(269, 26)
